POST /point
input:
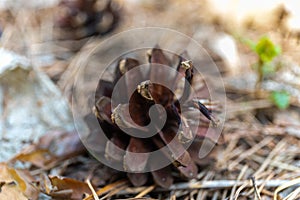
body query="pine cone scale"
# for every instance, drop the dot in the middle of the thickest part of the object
(136, 157)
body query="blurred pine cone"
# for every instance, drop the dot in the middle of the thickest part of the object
(78, 19)
(177, 127)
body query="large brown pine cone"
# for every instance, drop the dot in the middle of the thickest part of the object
(77, 19)
(179, 128)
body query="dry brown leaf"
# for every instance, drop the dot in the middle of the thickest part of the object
(65, 188)
(16, 184)
(38, 157)
(51, 148)
(11, 192)
(62, 144)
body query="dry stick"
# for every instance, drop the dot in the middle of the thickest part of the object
(92, 189)
(242, 173)
(250, 152)
(215, 184)
(146, 191)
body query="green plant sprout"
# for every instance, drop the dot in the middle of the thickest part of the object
(281, 99)
(266, 51)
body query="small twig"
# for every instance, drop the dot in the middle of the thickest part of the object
(215, 184)
(257, 195)
(219, 184)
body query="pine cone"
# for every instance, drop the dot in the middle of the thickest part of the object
(180, 107)
(78, 19)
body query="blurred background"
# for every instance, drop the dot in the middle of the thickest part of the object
(255, 45)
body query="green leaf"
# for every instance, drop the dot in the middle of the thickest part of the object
(281, 99)
(266, 49)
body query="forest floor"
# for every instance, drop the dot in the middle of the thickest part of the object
(259, 157)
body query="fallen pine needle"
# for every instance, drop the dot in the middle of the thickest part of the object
(113, 192)
(257, 195)
(242, 173)
(250, 152)
(285, 186)
(108, 188)
(293, 195)
(272, 154)
(146, 191)
(92, 189)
